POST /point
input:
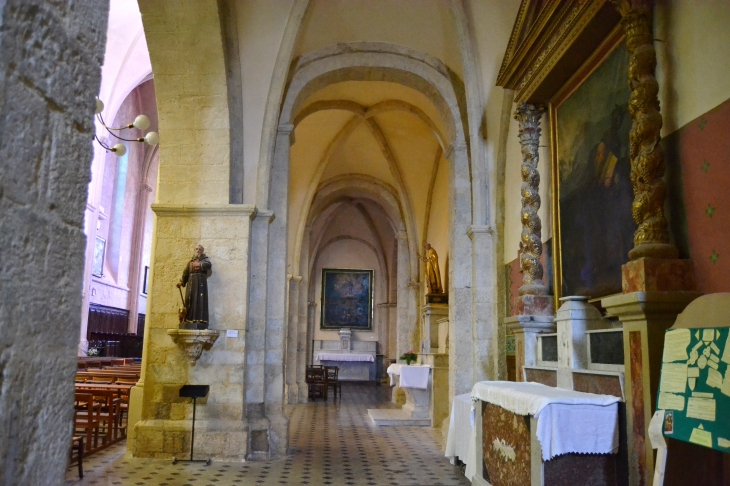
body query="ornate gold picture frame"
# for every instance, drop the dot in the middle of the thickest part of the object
(591, 189)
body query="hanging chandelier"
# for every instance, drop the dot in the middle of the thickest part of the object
(141, 122)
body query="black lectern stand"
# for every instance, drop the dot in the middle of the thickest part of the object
(194, 392)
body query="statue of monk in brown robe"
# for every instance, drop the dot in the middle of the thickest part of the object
(194, 279)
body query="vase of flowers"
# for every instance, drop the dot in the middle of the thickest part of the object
(409, 356)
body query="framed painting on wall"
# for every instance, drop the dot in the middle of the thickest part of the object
(347, 299)
(99, 250)
(591, 186)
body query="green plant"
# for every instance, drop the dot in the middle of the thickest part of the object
(409, 356)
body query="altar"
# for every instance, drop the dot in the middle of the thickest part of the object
(356, 360)
(416, 381)
(537, 435)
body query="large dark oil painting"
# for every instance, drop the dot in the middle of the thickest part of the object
(594, 189)
(347, 297)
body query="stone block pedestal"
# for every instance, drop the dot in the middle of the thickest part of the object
(526, 329)
(645, 317)
(431, 316)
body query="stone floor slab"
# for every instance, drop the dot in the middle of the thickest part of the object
(333, 442)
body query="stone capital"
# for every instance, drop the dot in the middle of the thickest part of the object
(454, 148)
(265, 214)
(475, 231)
(528, 115)
(287, 130)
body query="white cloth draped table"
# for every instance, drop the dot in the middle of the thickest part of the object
(345, 357)
(567, 421)
(411, 376)
(459, 428)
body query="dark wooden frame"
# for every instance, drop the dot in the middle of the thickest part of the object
(325, 298)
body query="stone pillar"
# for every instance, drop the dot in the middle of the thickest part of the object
(91, 217)
(383, 328)
(645, 317)
(534, 306)
(303, 330)
(258, 446)
(488, 347)
(135, 261)
(276, 295)
(461, 322)
(403, 264)
(160, 420)
(292, 340)
(392, 351)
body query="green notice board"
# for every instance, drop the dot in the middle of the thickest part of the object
(694, 389)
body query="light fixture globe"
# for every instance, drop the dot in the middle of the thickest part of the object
(152, 138)
(141, 122)
(119, 150)
(99, 106)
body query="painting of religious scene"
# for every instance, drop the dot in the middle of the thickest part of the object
(347, 299)
(594, 189)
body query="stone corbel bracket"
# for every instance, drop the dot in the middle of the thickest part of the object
(193, 341)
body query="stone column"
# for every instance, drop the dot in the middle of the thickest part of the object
(91, 217)
(303, 339)
(292, 392)
(534, 306)
(276, 295)
(656, 284)
(488, 346)
(256, 337)
(383, 328)
(403, 343)
(461, 322)
(135, 262)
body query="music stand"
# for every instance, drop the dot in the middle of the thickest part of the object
(194, 392)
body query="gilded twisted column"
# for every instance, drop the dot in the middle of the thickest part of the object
(647, 158)
(528, 116)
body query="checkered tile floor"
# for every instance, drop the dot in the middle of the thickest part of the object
(331, 443)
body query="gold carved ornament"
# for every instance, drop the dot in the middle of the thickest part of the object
(528, 116)
(647, 158)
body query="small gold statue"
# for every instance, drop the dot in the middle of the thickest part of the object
(433, 274)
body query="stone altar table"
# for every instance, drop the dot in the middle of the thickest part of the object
(355, 359)
(539, 435)
(416, 381)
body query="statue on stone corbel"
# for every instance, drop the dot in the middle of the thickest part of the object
(194, 314)
(436, 294)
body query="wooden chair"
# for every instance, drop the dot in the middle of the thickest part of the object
(77, 454)
(107, 408)
(332, 379)
(86, 416)
(316, 379)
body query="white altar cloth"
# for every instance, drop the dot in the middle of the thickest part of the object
(459, 428)
(411, 376)
(567, 421)
(345, 357)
